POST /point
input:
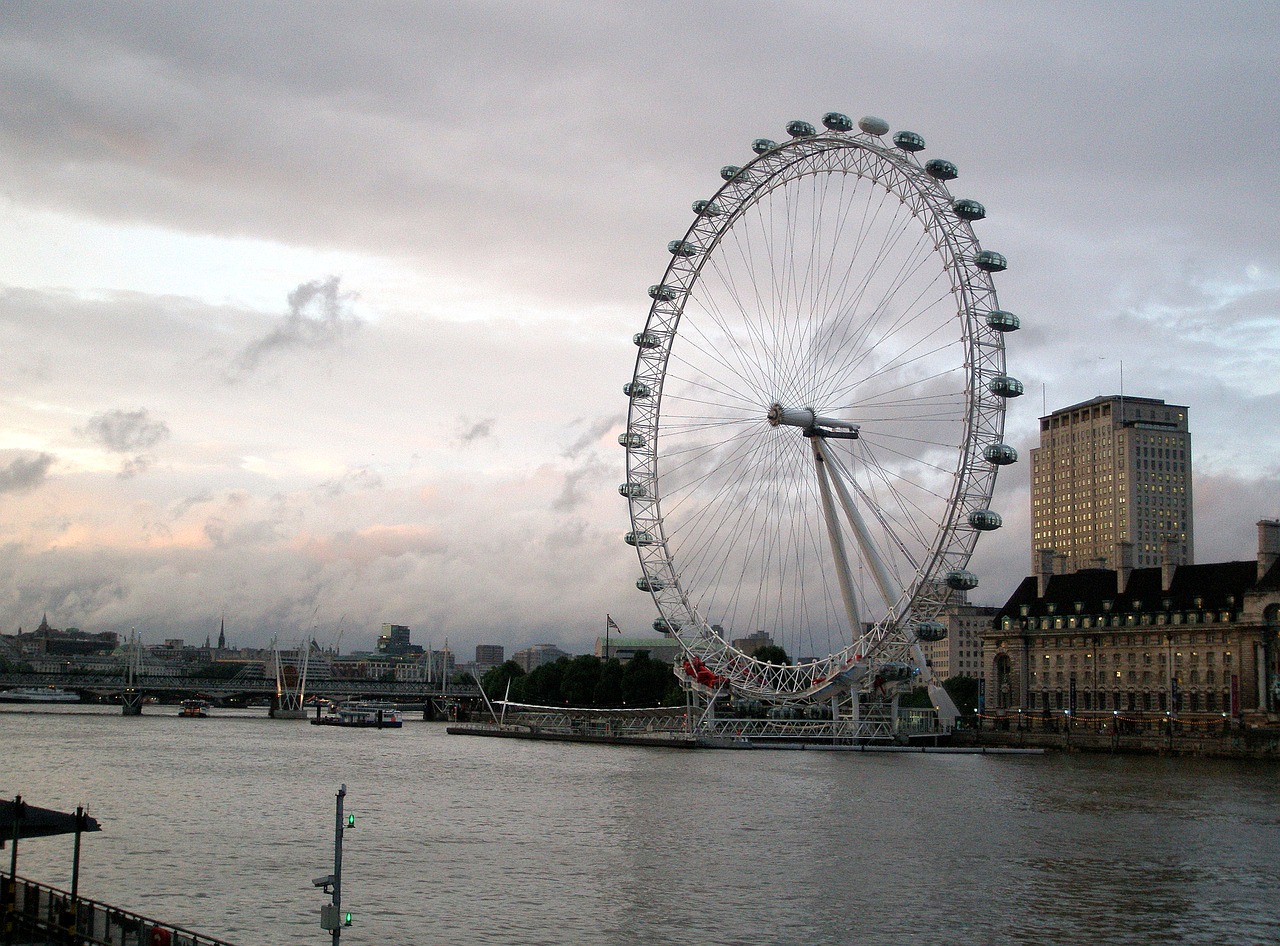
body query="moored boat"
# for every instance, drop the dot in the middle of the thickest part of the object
(362, 716)
(49, 694)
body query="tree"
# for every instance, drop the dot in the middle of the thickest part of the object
(496, 678)
(609, 687)
(648, 682)
(772, 654)
(580, 680)
(963, 691)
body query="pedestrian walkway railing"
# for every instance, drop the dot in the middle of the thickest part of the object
(32, 912)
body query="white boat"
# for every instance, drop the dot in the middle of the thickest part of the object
(194, 709)
(49, 694)
(363, 716)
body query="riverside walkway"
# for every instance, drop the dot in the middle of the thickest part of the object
(33, 914)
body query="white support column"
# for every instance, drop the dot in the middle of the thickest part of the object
(870, 554)
(837, 540)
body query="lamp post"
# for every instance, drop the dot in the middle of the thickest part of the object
(332, 917)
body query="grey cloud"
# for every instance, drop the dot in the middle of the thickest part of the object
(361, 479)
(592, 432)
(25, 473)
(126, 431)
(480, 430)
(594, 472)
(319, 316)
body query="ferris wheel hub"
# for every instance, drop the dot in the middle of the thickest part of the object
(814, 424)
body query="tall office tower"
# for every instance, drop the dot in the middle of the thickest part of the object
(1112, 475)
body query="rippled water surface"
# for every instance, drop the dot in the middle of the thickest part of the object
(220, 824)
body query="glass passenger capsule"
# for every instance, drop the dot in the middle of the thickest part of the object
(682, 248)
(636, 389)
(990, 261)
(761, 145)
(730, 171)
(1003, 321)
(837, 122)
(908, 141)
(1001, 454)
(931, 631)
(663, 626)
(967, 209)
(961, 580)
(941, 170)
(985, 520)
(631, 440)
(632, 490)
(650, 584)
(638, 537)
(872, 125)
(706, 208)
(1005, 386)
(895, 672)
(799, 129)
(646, 340)
(663, 293)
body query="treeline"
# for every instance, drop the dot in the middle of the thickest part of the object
(587, 681)
(963, 691)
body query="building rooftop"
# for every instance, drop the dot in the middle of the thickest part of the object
(1194, 587)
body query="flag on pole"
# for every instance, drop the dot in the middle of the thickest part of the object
(609, 622)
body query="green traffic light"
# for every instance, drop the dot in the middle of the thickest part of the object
(346, 919)
(351, 823)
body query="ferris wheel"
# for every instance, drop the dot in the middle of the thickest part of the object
(816, 416)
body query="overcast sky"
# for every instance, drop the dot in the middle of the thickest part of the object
(316, 315)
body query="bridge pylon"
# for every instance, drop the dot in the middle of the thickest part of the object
(131, 695)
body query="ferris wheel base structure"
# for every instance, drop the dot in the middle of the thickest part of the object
(815, 423)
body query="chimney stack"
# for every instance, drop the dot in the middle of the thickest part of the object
(1044, 568)
(1166, 564)
(1124, 565)
(1268, 545)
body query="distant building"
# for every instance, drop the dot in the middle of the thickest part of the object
(623, 649)
(753, 642)
(1176, 639)
(960, 652)
(489, 655)
(1111, 472)
(533, 657)
(73, 642)
(394, 640)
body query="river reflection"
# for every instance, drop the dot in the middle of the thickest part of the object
(219, 825)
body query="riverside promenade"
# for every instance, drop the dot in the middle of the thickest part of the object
(1210, 736)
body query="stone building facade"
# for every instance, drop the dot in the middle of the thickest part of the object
(1173, 639)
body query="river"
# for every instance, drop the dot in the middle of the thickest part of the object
(220, 824)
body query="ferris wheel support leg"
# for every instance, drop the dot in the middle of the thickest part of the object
(869, 552)
(942, 702)
(837, 539)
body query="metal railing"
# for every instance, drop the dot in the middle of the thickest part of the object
(876, 725)
(33, 912)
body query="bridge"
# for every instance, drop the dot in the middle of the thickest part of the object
(243, 687)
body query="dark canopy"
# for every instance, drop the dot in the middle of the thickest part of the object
(36, 822)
